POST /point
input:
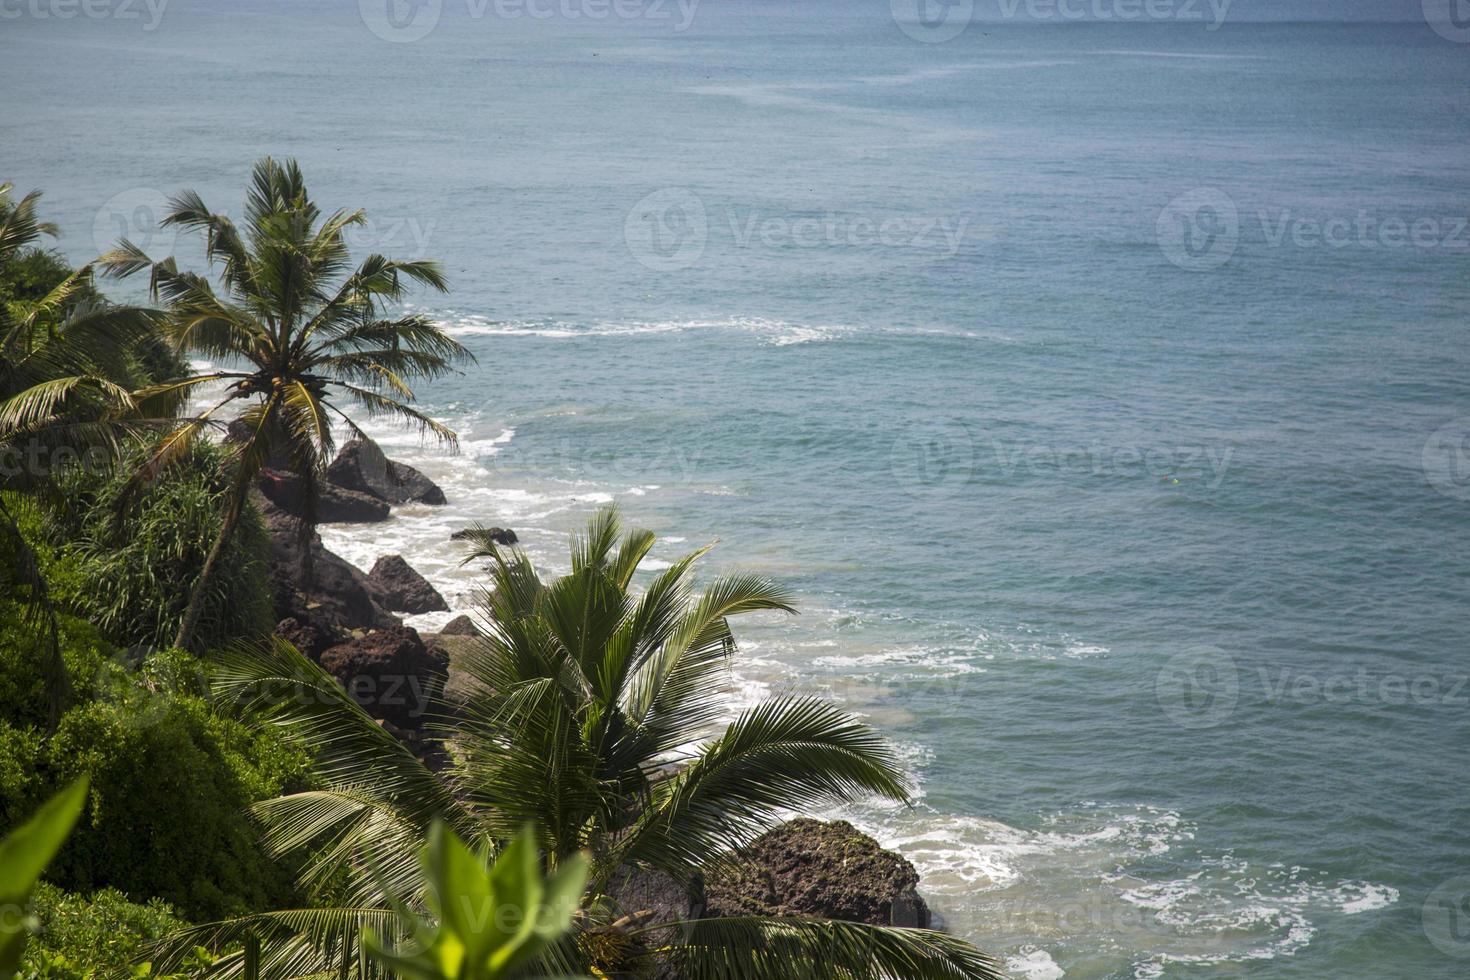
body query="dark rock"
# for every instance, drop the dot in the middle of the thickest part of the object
(462, 687)
(649, 896)
(337, 595)
(831, 870)
(500, 535)
(309, 634)
(461, 625)
(396, 586)
(391, 673)
(362, 467)
(334, 504)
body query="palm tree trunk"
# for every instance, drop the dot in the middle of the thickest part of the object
(195, 608)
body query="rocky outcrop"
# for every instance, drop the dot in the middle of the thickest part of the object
(309, 635)
(334, 505)
(832, 870)
(337, 595)
(361, 467)
(500, 535)
(391, 673)
(396, 586)
(461, 625)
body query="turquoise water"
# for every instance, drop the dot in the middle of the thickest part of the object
(1100, 388)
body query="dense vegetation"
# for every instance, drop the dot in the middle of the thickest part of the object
(240, 813)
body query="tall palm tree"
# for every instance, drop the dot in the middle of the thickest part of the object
(302, 332)
(67, 363)
(593, 712)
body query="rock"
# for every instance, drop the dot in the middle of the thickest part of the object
(334, 504)
(651, 896)
(337, 597)
(807, 867)
(309, 635)
(461, 687)
(396, 586)
(500, 535)
(361, 467)
(391, 673)
(461, 625)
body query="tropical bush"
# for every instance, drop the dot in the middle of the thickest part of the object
(96, 935)
(127, 565)
(594, 712)
(172, 779)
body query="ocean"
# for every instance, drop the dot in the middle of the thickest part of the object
(1099, 384)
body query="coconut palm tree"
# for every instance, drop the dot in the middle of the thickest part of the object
(593, 711)
(68, 360)
(302, 333)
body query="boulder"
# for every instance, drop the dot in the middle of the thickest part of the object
(337, 596)
(334, 504)
(391, 673)
(361, 467)
(460, 688)
(461, 625)
(309, 634)
(831, 870)
(500, 535)
(396, 586)
(646, 895)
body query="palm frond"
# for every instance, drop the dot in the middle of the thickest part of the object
(786, 754)
(791, 948)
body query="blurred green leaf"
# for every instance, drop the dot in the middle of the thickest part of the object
(24, 854)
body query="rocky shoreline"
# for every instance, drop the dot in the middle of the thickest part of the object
(346, 620)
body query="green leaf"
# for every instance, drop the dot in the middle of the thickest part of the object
(489, 921)
(24, 854)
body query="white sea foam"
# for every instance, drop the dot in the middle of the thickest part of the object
(1034, 964)
(777, 333)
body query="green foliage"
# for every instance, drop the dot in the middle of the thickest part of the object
(131, 574)
(484, 924)
(24, 854)
(172, 779)
(23, 700)
(95, 935)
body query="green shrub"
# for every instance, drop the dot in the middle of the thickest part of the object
(132, 576)
(91, 936)
(22, 680)
(172, 779)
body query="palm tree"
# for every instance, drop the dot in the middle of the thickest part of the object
(593, 712)
(302, 331)
(68, 360)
